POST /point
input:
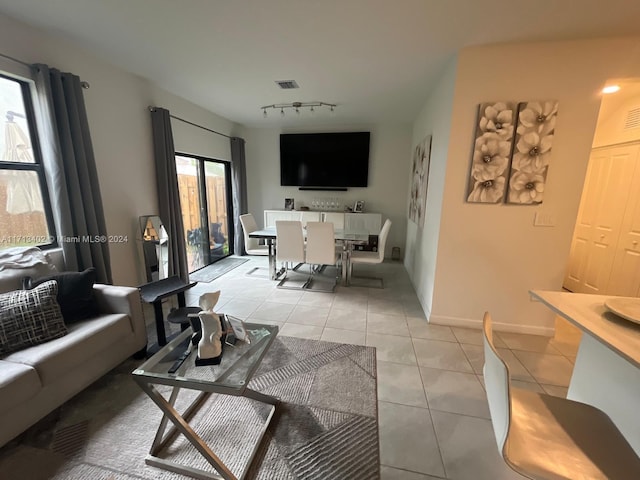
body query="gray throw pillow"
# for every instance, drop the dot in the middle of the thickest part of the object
(30, 317)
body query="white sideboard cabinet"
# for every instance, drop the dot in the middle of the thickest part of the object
(371, 222)
(271, 216)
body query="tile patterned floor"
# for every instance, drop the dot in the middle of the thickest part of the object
(433, 413)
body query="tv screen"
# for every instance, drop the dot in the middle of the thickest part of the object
(324, 159)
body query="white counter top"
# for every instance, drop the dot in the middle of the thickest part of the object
(589, 314)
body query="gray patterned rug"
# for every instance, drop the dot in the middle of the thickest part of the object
(325, 426)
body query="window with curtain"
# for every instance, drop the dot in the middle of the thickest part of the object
(25, 210)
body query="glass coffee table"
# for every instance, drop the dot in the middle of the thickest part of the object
(230, 377)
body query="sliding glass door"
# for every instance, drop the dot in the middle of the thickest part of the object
(205, 200)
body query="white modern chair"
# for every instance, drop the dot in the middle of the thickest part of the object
(358, 257)
(320, 252)
(337, 219)
(549, 438)
(290, 248)
(252, 245)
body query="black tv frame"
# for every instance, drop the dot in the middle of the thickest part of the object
(326, 154)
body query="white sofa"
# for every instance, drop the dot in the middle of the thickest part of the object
(36, 380)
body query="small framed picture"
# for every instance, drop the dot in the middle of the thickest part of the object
(289, 203)
(237, 326)
(359, 206)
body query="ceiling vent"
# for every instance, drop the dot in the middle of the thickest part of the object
(287, 84)
(633, 119)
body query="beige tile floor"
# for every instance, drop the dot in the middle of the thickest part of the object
(433, 414)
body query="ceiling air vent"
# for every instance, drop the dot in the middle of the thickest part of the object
(633, 119)
(287, 84)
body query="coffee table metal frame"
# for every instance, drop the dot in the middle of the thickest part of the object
(146, 378)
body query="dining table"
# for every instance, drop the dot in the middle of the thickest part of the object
(347, 238)
(606, 373)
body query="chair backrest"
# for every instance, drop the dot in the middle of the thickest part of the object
(496, 381)
(249, 225)
(382, 238)
(289, 241)
(336, 218)
(321, 243)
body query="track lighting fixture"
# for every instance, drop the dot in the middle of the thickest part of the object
(297, 106)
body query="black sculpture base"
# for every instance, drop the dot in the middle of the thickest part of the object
(200, 362)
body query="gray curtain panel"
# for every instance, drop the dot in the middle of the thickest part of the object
(70, 169)
(168, 195)
(239, 179)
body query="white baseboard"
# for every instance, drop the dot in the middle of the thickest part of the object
(500, 327)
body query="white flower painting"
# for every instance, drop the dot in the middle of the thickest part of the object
(419, 181)
(534, 138)
(491, 153)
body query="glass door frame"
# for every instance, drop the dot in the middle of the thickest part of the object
(204, 202)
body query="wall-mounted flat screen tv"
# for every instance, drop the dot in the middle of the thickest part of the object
(332, 160)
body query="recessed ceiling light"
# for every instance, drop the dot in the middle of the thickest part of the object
(611, 89)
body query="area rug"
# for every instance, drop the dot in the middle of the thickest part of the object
(325, 426)
(211, 272)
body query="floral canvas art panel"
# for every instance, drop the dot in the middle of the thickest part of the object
(420, 181)
(532, 152)
(491, 152)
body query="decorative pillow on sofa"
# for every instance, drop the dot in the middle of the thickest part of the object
(30, 317)
(75, 293)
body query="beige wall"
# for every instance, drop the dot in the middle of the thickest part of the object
(388, 171)
(613, 114)
(121, 132)
(489, 256)
(422, 243)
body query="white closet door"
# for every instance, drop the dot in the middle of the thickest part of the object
(625, 275)
(598, 227)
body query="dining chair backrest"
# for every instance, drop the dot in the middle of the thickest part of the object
(382, 238)
(336, 218)
(320, 244)
(289, 241)
(249, 225)
(496, 380)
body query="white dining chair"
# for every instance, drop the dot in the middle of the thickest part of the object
(549, 438)
(252, 245)
(320, 252)
(371, 258)
(290, 250)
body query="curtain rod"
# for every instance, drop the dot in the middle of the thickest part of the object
(15, 60)
(151, 109)
(84, 85)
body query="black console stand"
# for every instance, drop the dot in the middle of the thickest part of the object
(155, 292)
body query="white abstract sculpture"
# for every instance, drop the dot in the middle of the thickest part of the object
(210, 345)
(209, 300)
